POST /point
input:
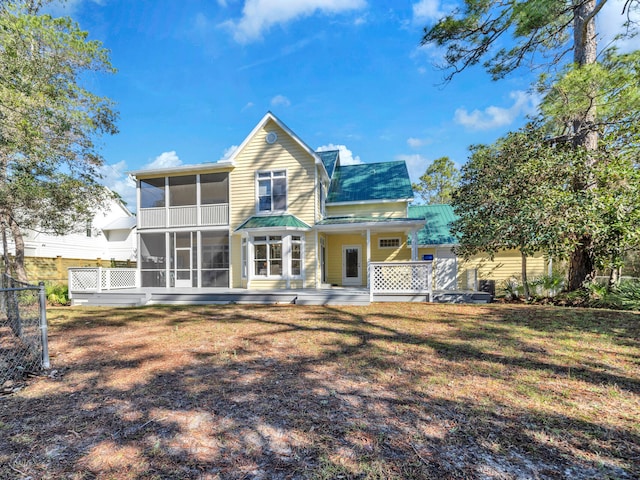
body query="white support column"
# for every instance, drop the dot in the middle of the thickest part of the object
(250, 262)
(198, 255)
(414, 245)
(166, 205)
(137, 203)
(368, 255)
(168, 256)
(198, 206)
(317, 272)
(286, 259)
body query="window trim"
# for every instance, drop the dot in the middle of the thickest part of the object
(293, 242)
(286, 241)
(271, 173)
(389, 247)
(267, 242)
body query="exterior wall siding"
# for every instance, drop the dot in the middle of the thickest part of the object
(235, 262)
(302, 199)
(402, 253)
(382, 209)
(504, 266)
(334, 256)
(258, 155)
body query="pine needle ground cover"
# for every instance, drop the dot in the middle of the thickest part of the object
(388, 391)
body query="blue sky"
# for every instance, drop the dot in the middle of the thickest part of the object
(195, 76)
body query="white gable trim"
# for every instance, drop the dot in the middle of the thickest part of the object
(270, 116)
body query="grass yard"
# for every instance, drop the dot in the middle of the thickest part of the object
(388, 391)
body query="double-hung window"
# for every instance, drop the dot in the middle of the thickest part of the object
(272, 191)
(268, 256)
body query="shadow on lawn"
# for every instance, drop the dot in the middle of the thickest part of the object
(263, 406)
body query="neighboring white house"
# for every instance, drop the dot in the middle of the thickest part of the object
(110, 235)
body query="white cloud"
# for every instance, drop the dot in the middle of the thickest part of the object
(280, 101)
(164, 160)
(494, 117)
(416, 165)
(115, 178)
(258, 16)
(610, 23)
(427, 10)
(360, 21)
(346, 155)
(228, 152)
(417, 142)
(247, 106)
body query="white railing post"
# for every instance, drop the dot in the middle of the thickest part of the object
(99, 282)
(371, 280)
(70, 279)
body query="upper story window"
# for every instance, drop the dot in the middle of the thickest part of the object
(182, 191)
(152, 192)
(272, 191)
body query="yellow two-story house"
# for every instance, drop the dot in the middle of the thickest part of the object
(279, 215)
(275, 215)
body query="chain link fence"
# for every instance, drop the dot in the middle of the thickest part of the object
(23, 329)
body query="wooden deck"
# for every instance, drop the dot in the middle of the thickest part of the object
(206, 296)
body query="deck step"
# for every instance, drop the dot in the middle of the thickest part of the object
(462, 297)
(331, 298)
(111, 299)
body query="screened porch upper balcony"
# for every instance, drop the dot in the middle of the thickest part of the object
(183, 201)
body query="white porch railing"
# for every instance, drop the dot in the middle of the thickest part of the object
(152, 217)
(186, 216)
(401, 278)
(183, 216)
(217, 214)
(97, 279)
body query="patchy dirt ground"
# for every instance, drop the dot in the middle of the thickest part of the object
(390, 391)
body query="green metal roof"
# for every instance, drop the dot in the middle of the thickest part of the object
(329, 160)
(438, 217)
(353, 220)
(370, 181)
(274, 221)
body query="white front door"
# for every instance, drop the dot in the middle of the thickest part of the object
(446, 269)
(183, 267)
(351, 265)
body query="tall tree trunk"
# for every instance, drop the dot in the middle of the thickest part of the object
(18, 240)
(614, 278)
(525, 279)
(5, 247)
(581, 265)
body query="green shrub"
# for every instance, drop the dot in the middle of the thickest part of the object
(57, 294)
(625, 296)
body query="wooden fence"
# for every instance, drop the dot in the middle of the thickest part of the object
(55, 269)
